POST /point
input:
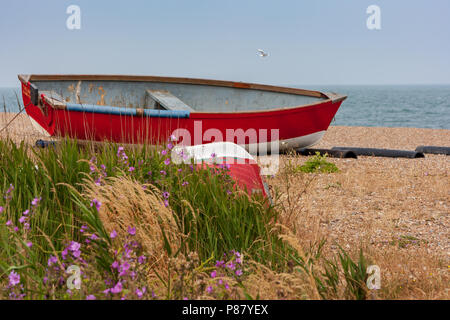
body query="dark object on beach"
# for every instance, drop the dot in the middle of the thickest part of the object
(434, 150)
(44, 144)
(382, 152)
(331, 153)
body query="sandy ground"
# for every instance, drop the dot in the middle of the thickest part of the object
(397, 209)
(18, 128)
(379, 199)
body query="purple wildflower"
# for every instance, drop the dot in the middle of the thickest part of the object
(209, 289)
(140, 292)
(14, 278)
(113, 234)
(91, 297)
(166, 203)
(26, 212)
(36, 201)
(132, 231)
(29, 244)
(185, 183)
(117, 288)
(96, 203)
(1, 209)
(167, 161)
(124, 267)
(11, 188)
(22, 219)
(213, 274)
(163, 172)
(64, 253)
(164, 152)
(52, 260)
(74, 246)
(231, 265)
(220, 263)
(131, 169)
(94, 237)
(166, 195)
(141, 259)
(170, 145)
(115, 265)
(120, 152)
(239, 272)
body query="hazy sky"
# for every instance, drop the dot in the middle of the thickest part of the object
(309, 42)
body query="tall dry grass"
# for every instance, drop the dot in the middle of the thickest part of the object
(125, 203)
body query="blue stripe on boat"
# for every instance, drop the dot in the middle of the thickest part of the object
(92, 108)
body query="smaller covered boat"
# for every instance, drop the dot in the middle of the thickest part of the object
(232, 158)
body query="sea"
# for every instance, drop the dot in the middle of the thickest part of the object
(414, 106)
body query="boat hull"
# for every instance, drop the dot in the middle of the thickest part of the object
(292, 127)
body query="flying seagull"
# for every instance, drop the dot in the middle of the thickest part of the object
(262, 54)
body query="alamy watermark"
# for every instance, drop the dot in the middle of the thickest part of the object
(74, 281)
(374, 20)
(73, 22)
(374, 280)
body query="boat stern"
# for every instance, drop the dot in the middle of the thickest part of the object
(40, 113)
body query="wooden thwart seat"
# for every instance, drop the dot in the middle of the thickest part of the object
(163, 99)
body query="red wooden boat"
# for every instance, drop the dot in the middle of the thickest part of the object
(135, 109)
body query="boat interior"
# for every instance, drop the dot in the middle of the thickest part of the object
(163, 95)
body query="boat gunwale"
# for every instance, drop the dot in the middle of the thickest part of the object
(333, 97)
